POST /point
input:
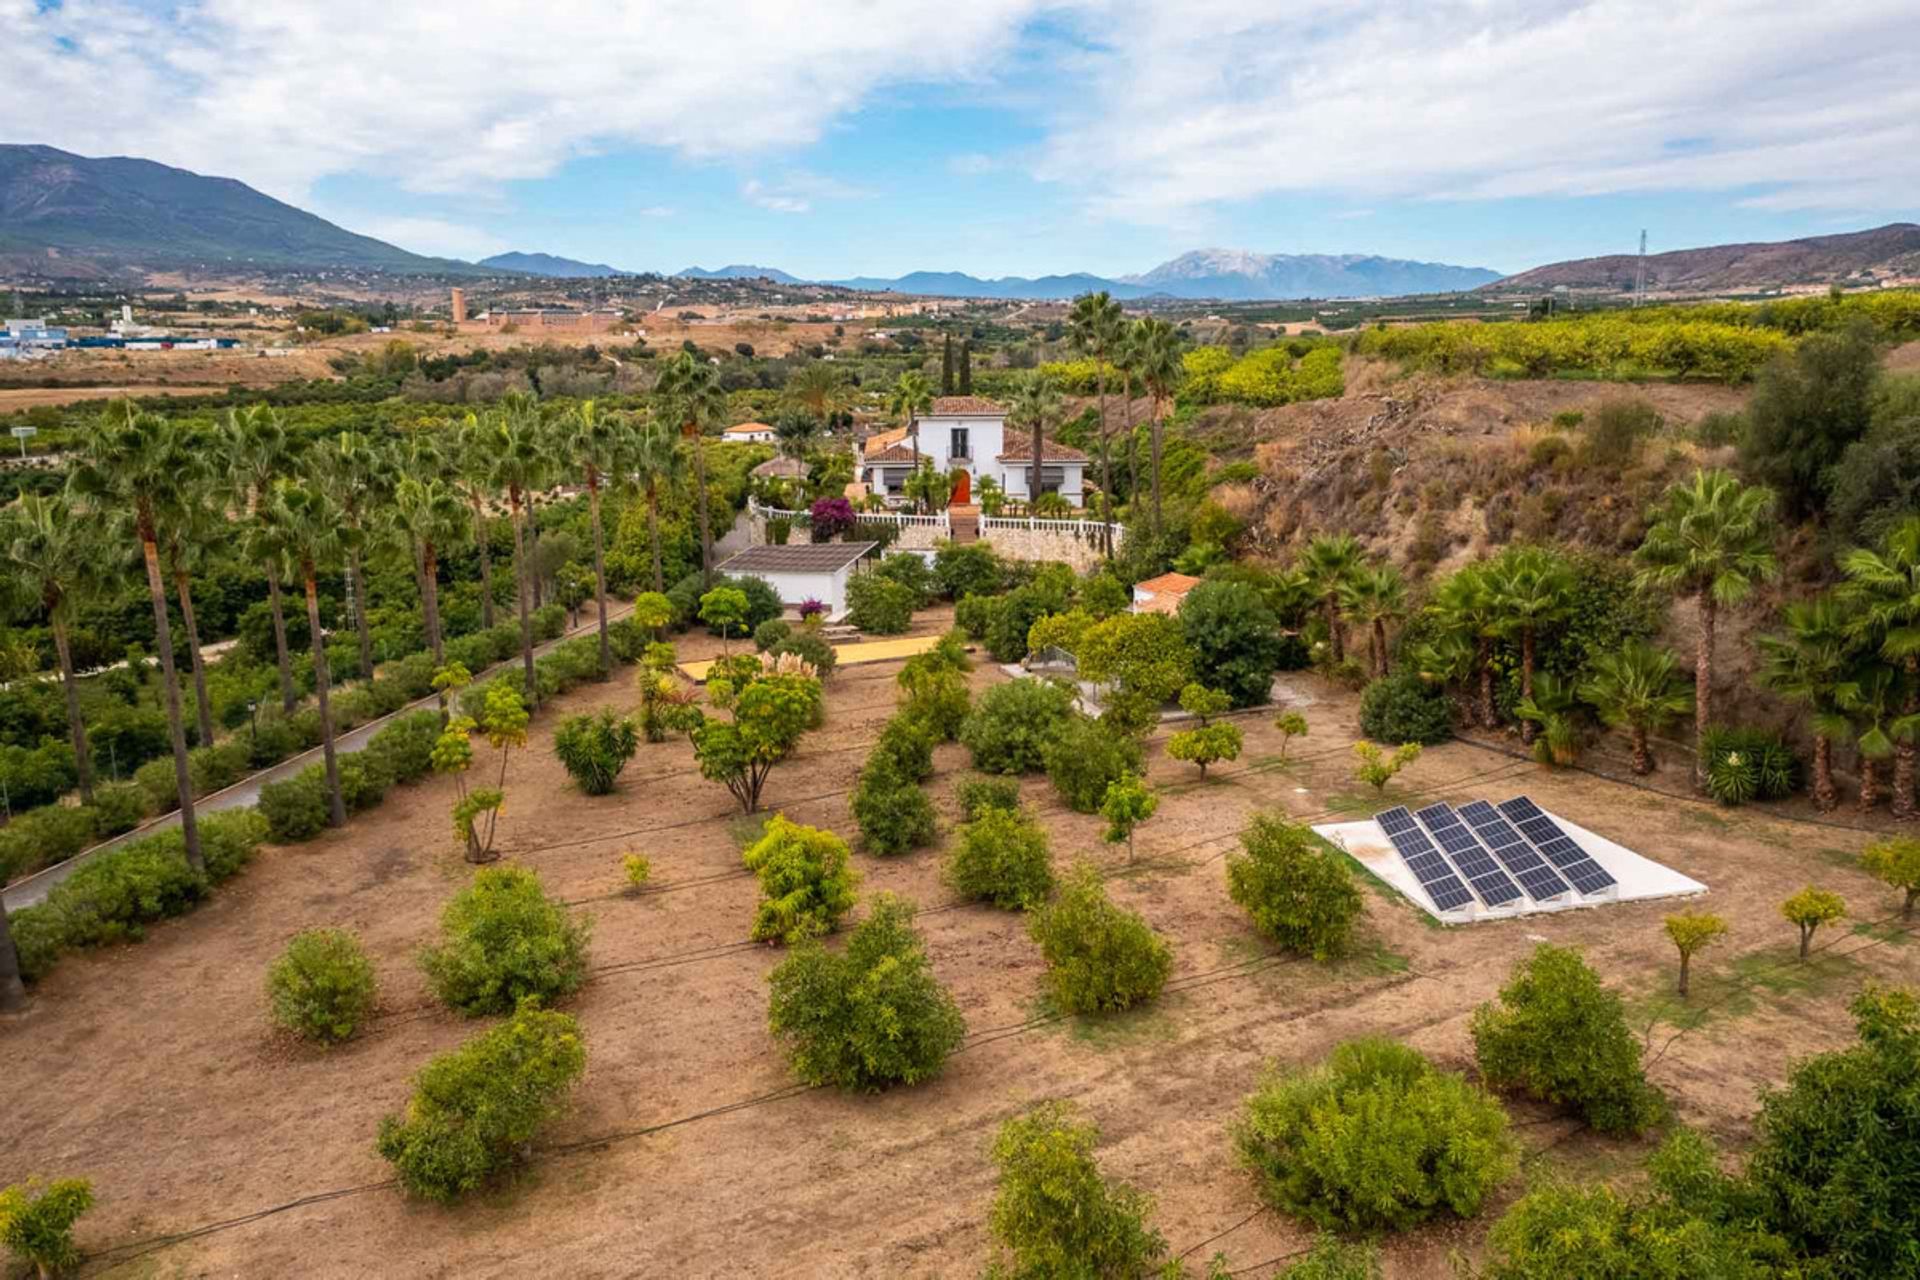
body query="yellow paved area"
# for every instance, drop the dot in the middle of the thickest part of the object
(848, 655)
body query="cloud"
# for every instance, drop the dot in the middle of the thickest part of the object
(436, 237)
(1217, 101)
(446, 98)
(756, 192)
(795, 191)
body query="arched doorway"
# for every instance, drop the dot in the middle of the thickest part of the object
(962, 488)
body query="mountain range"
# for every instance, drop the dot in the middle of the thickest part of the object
(67, 214)
(547, 264)
(1889, 252)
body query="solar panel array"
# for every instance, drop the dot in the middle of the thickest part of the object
(1433, 872)
(1497, 850)
(1556, 846)
(1491, 884)
(1540, 881)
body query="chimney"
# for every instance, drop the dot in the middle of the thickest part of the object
(459, 306)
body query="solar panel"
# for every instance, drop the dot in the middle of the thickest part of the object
(1539, 880)
(1435, 874)
(1489, 880)
(1557, 847)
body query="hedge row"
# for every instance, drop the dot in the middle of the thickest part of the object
(113, 897)
(295, 808)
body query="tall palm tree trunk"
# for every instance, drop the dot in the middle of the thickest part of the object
(1528, 729)
(1825, 797)
(336, 807)
(430, 602)
(653, 527)
(170, 685)
(599, 566)
(183, 589)
(1869, 783)
(526, 616)
(1380, 643)
(1106, 469)
(1642, 756)
(287, 694)
(1703, 689)
(1155, 441)
(700, 497)
(1487, 717)
(1904, 751)
(13, 992)
(76, 724)
(360, 624)
(533, 548)
(486, 563)
(1336, 634)
(1133, 448)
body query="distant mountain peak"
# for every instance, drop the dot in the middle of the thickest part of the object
(547, 264)
(740, 271)
(1891, 252)
(1244, 275)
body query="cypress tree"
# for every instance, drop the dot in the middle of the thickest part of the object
(966, 366)
(946, 366)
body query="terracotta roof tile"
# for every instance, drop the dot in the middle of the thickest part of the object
(1168, 583)
(746, 428)
(952, 406)
(893, 453)
(1020, 449)
(884, 439)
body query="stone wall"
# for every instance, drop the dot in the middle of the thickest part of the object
(1081, 550)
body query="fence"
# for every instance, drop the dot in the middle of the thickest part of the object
(1083, 529)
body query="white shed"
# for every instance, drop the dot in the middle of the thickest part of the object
(803, 571)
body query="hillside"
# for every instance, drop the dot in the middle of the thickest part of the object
(63, 214)
(547, 264)
(739, 271)
(1891, 252)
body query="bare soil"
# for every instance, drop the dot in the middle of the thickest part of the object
(152, 1070)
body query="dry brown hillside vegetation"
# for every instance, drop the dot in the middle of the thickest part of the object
(1433, 471)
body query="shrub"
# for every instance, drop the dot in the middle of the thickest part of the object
(549, 621)
(934, 695)
(40, 775)
(1206, 745)
(117, 807)
(1691, 932)
(1054, 1213)
(977, 795)
(594, 749)
(476, 1110)
(1142, 654)
(502, 939)
(364, 779)
(810, 649)
(1014, 615)
(295, 808)
(879, 605)
(1839, 1147)
(1100, 957)
(967, 569)
(1334, 1259)
(1235, 639)
(1012, 725)
(1612, 436)
(638, 869)
(1374, 1138)
(1895, 861)
(805, 882)
(770, 716)
(1376, 768)
(36, 1222)
(1002, 857)
(904, 749)
(1085, 757)
(870, 1016)
(910, 570)
(893, 814)
(770, 633)
(1298, 892)
(1748, 764)
(322, 986)
(406, 744)
(1810, 908)
(1404, 708)
(1128, 802)
(43, 836)
(974, 614)
(1559, 1036)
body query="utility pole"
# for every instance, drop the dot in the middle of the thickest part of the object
(1640, 270)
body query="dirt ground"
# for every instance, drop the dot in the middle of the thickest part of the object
(152, 1070)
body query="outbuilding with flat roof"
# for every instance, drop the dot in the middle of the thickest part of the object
(804, 571)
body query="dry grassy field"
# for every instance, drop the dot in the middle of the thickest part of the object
(688, 1151)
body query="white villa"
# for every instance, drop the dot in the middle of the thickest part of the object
(969, 435)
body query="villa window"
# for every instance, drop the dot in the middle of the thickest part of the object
(957, 444)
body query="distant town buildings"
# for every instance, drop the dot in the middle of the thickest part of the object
(548, 319)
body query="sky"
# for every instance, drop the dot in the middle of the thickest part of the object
(836, 138)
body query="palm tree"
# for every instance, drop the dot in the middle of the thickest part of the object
(911, 396)
(598, 445)
(689, 394)
(1532, 588)
(1332, 561)
(360, 482)
(1711, 538)
(1464, 606)
(1375, 597)
(1869, 697)
(188, 523)
(130, 462)
(1094, 328)
(258, 450)
(1157, 351)
(310, 529)
(1637, 688)
(1883, 588)
(520, 463)
(1126, 362)
(473, 475)
(53, 559)
(433, 517)
(1036, 406)
(659, 463)
(1808, 663)
(818, 388)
